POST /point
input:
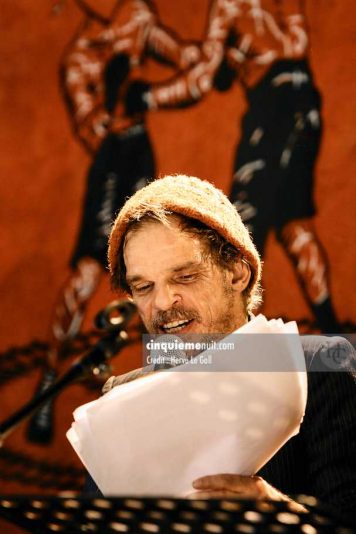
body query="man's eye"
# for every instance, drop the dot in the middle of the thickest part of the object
(186, 277)
(141, 289)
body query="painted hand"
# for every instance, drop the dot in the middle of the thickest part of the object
(190, 55)
(93, 128)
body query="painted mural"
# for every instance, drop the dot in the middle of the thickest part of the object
(99, 98)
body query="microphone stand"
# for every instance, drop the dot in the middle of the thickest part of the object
(102, 351)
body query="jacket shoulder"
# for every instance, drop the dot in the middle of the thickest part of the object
(324, 353)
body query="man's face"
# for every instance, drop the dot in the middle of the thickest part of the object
(175, 287)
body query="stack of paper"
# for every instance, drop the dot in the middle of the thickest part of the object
(155, 435)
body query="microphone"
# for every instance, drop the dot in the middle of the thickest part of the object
(165, 356)
(115, 316)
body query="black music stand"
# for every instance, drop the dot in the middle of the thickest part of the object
(72, 514)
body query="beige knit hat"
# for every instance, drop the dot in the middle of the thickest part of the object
(195, 198)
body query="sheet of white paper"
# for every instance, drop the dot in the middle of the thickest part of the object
(155, 435)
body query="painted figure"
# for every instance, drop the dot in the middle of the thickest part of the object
(263, 45)
(103, 58)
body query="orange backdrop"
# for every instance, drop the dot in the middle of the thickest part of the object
(44, 175)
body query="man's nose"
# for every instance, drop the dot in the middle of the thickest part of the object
(165, 297)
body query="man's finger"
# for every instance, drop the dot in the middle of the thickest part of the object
(217, 494)
(236, 483)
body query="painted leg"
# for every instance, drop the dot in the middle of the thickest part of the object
(302, 246)
(69, 314)
(70, 310)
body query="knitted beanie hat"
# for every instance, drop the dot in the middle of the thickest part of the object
(192, 197)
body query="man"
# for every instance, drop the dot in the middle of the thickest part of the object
(263, 44)
(180, 249)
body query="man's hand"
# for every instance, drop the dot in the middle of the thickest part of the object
(247, 487)
(243, 487)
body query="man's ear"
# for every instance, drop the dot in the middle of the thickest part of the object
(241, 274)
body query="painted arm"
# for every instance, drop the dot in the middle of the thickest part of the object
(166, 47)
(294, 14)
(81, 73)
(190, 85)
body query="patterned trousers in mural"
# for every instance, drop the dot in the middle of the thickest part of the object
(273, 176)
(123, 164)
(274, 164)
